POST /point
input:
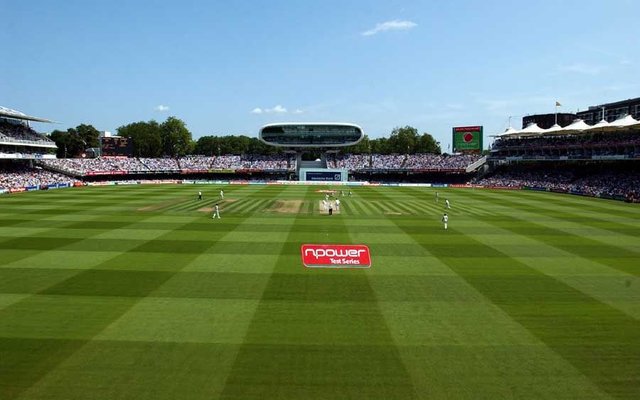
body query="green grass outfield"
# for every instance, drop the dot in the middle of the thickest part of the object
(132, 293)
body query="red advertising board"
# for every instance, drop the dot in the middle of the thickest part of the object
(335, 256)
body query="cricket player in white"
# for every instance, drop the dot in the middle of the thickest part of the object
(447, 204)
(199, 195)
(445, 220)
(222, 194)
(337, 204)
(216, 212)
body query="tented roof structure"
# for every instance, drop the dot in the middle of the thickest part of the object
(601, 126)
(553, 130)
(531, 130)
(624, 122)
(576, 126)
(510, 131)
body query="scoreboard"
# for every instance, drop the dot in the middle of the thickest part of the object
(467, 139)
(116, 146)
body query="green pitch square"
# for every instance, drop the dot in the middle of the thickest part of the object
(32, 280)
(62, 317)
(250, 247)
(6, 299)
(103, 225)
(131, 234)
(9, 232)
(64, 259)
(423, 288)
(136, 261)
(318, 372)
(318, 323)
(397, 249)
(65, 232)
(172, 246)
(243, 263)
(111, 283)
(105, 370)
(194, 235)
(214, 285)
(101, 244)
(11, 255)
(321, 286)
(404, 265)
(453, 323)
(183, 320)
(25, 361)
(36, 243)
(495, 372)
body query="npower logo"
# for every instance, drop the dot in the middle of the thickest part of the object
(335, 256)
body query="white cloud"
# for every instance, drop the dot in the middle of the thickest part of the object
(161, 108)
(278, 109)
(580, 68)
(394, 25)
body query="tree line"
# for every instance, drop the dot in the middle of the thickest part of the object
(172, 138)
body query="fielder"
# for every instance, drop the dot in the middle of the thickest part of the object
(445, 221)
(199, 195)
(447, 204)
(337, 204)
(222, 194)
(216, 212)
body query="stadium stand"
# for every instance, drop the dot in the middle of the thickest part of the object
(619, 181)
(574, 146)
(14, 177)
(15, 131)
(410, 162)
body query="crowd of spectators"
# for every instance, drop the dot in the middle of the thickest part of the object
(609, 184)
(196, 162)
(350, 161)
(560, 180)
(226, 162)
(267, 162)
(432, 162)
(164, 164)
(82, 166)
(601, 143)
(107, 165)
(16, 177)
(440, 161)
(16, 131)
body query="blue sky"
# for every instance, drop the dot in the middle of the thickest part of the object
(228, 67)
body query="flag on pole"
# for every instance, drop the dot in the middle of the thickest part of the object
(558, 104)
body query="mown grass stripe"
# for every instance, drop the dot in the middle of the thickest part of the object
(608, 345)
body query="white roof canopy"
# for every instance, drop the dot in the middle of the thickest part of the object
(531, 130)
(576, 126)
(624, 122)
(510, 131)
(554, 129)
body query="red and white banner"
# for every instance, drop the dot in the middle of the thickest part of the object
(335, 256)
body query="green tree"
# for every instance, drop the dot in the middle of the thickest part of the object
(363, 147)
(145, 136)
(89, 135)
(69, 143)
(427, 144)
(403, 140)
(176, 138)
